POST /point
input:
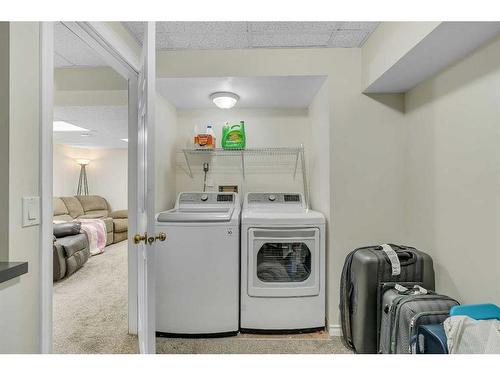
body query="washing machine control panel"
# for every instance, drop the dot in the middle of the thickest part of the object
(209, 198)
(291, 198)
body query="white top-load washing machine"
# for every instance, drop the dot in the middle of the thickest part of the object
(197, 267)
(282, 263)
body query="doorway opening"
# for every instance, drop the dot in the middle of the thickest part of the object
(90, 201)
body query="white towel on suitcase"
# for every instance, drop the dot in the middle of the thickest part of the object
(469, 336)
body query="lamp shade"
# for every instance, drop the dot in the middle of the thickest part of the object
(83, 161)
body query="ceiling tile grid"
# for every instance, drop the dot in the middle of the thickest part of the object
(239, 35)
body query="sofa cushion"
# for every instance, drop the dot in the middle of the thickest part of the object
(97, 214)
(67, 229)
(121, 236)
(62, 219)
(93, 203)
(59, 207)
(119, 214)
(110, 238)
(72, 244)
(120, 225)
(75, 209)
(108, 222)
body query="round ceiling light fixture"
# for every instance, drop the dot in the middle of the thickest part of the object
(224, 99)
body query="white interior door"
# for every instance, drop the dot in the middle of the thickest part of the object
(145, 238)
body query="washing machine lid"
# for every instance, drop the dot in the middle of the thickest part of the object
(202, 207)
(213, 214)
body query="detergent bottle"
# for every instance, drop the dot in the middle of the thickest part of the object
(233, 136)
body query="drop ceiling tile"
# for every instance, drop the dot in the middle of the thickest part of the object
(204, 41)
(136, 29)
(343, 34)
(201, 27)
(348, 38)
(293, 27)
(289, 40)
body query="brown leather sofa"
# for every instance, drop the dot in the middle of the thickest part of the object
(93, 207)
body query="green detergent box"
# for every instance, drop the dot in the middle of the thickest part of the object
(233, 136)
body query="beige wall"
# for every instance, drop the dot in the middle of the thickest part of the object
(20, 297)
(263, 128)
(390, 42)
(4, 140)
(89, 87)
(88, 79)
(366, 141)
(165, 140)
(106, 173)
(454, 174)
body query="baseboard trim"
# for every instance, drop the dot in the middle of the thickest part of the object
(335, 330)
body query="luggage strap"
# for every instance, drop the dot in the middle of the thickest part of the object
(393, 258)
(416, 290)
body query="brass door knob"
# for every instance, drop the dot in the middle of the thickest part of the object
(161, 236)
(138, 238)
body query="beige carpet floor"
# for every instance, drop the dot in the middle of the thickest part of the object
(90, 306)
(90, 317)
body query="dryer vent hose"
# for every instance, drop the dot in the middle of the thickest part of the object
(205, 170)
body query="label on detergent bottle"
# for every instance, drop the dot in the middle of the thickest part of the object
(233, 136)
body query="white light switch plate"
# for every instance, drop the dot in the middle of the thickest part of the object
(31, 211)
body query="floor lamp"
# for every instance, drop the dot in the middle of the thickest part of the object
(83, 186)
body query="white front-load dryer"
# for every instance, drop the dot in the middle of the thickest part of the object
(282, 264)
(197, 267)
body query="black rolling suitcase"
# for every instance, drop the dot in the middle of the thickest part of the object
(404, 310)
(367, 271)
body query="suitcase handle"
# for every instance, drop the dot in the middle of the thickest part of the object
(405, 256)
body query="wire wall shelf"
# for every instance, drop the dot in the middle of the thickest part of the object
(260, 161)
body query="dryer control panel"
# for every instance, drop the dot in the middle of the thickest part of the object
(270, 198)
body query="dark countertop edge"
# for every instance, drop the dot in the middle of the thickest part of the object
(10, 270)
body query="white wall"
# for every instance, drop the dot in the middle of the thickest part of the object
(165, 147)
(263, 128)
(454, 174)
(20, 297)
(4, 140)
(106, 173)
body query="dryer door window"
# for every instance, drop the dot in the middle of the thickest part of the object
(283, 262)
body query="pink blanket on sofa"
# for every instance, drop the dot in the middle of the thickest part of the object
(95, 230)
